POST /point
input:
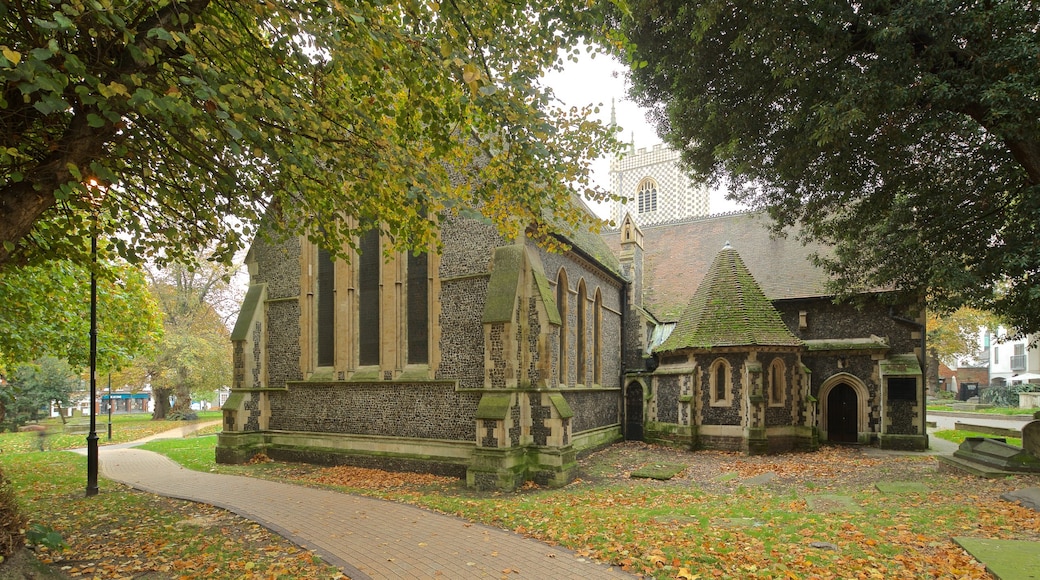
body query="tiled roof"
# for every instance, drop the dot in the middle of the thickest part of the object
(677, 257)
(587, 242)
(729, 309)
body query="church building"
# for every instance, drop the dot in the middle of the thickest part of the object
(499, 362)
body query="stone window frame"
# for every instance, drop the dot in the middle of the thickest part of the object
(581, 328)
(324, 309)
(777, 383)
(725, 397)
(392, 286)
(646, 193)
(562, 302)
(597, 338)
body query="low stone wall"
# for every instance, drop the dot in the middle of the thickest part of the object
(998, 431)
(428, 410)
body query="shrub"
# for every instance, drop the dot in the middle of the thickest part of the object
(12, 522)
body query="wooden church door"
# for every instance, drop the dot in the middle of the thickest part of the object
(634, 412)
(842, 414)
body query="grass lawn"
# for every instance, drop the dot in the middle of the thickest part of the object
(990, 411)
(958, 437)
(822, 515)
(128, 427)
(124, 534)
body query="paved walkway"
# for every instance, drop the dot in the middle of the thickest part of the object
(367, 538)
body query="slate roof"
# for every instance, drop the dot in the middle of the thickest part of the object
(591, 244)
(677, 257)
(729, 309)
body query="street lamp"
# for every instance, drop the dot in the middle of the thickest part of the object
(92, 437)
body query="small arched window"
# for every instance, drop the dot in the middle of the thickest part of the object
(720, 382)
(777, 382)
(647, 192)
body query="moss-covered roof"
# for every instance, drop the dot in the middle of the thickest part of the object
(587, 242)
(729, 309)
(900, 364)
(677, 256)
(872, 343)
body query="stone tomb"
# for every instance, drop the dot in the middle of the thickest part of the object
(995, 452)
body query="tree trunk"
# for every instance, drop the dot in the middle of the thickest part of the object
(61, 413)
(182, 396)
(161, 395)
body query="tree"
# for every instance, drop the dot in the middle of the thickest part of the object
(36, 386)
(905, 134)
(955, 337)
(194, 356)
(197, 117)
(46, 311)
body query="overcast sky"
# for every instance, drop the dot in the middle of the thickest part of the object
(598, 80)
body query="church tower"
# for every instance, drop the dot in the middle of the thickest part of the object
(654, 188)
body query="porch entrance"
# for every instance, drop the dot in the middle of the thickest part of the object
(842, 414)
(634, 412)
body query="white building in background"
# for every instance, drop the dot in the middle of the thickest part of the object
(654, 187)
(1012, 361)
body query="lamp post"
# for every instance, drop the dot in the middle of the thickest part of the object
(92, 437)
(110, 406)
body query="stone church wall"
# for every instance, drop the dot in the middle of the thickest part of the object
(416, 410)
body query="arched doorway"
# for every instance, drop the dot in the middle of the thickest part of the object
(634, 412)
(843, 414)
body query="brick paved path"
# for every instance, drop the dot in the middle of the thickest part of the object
(367, 538)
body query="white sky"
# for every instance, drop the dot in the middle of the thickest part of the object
(597, 81)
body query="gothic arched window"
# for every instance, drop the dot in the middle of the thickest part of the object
(647, 192)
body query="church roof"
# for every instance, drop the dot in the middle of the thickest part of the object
(729, 309)
(677, 257)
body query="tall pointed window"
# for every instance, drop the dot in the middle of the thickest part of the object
(326, 309)
(777, 382)
(597, 340)
(561, 305)
(418, 309)
(647, 193)
(368, 298)
(580, 331)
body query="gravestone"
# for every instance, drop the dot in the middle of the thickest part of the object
(1031, 436)
(997, 453)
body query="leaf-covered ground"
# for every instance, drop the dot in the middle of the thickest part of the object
(124, 534)
(727, 515)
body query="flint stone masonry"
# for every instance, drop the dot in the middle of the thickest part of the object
(901, 414)
(668, 390)
(594, 409)
(462, 333)
(835, 321)
(285, 367)
(413, 410)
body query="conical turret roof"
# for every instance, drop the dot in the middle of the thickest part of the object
(729, 309)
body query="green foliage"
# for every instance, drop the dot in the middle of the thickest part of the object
(905, 134)
(34, 387)
(195, 118)
(956, 335)
(41, 535)
(12, 522)
(47, 312)
(194, 356)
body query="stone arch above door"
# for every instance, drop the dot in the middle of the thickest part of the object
(862, 396)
